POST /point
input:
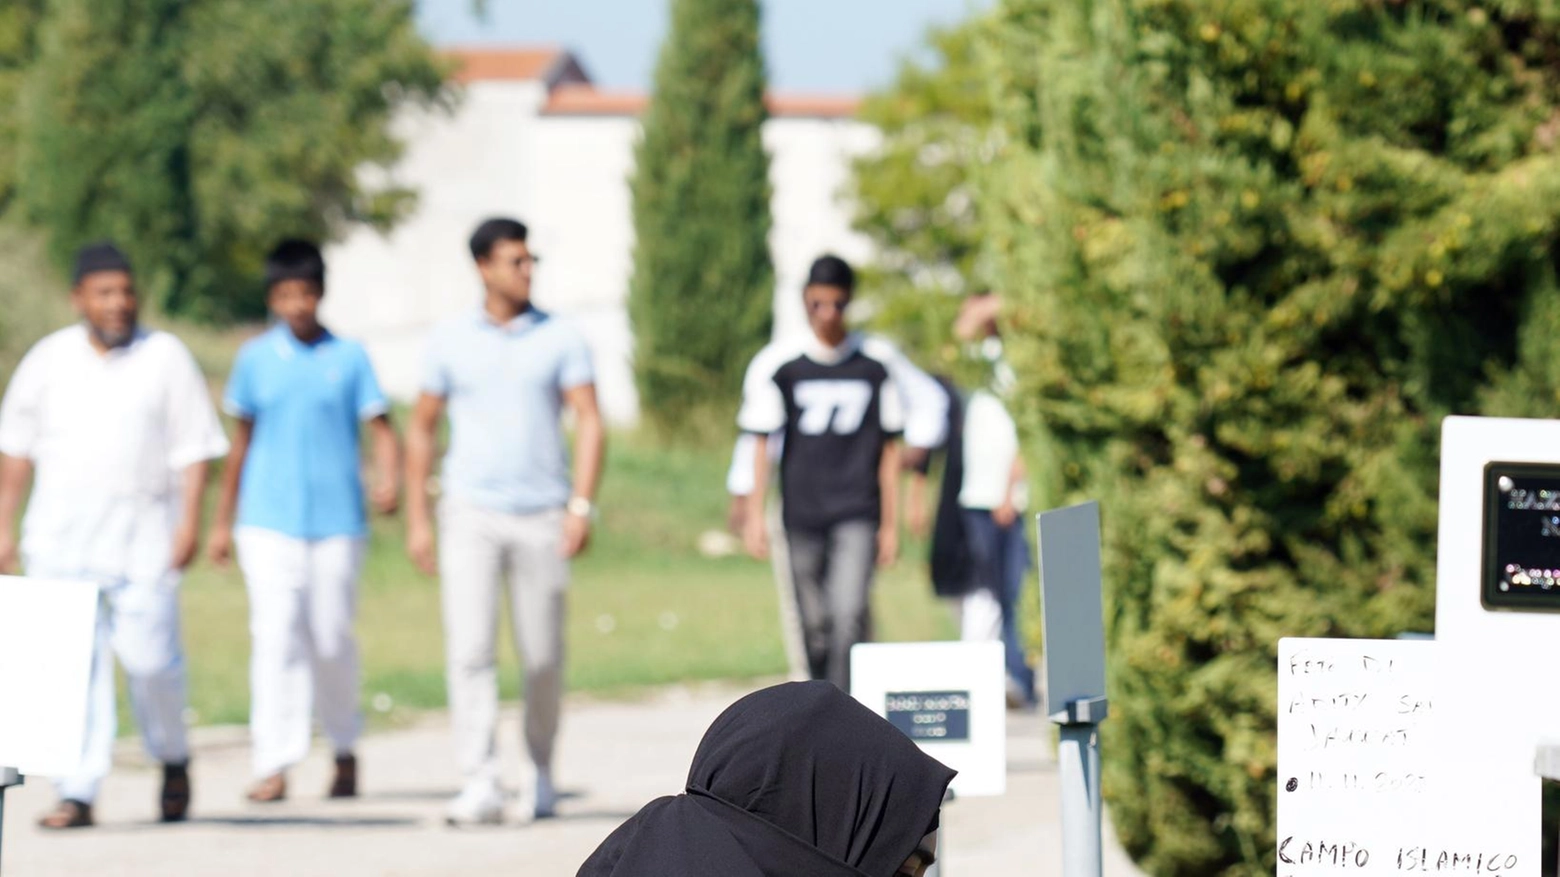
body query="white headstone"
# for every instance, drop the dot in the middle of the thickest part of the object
(949, 697)
(1373, 778)
(46, 636)
(1498, 692)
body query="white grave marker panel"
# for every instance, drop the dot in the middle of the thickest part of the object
(46, 634)
(1369, 781)
(1499, 689)
(949, 697)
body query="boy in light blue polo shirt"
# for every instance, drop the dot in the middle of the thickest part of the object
(509, 507)
(298, 394)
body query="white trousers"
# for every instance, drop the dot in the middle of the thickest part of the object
(980, 616)
(139, 622)
(478, 550)
(302, 607)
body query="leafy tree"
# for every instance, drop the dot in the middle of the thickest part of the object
(700, 297)
(18, 29)
(1260, 248)
(915, 195)
(196, 132)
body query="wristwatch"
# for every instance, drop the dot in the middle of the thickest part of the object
(581, 507)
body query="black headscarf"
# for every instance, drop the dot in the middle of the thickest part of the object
(798, 779)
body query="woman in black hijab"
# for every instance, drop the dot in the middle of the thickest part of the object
(797, 780)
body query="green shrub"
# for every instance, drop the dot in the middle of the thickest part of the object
(1260, 248)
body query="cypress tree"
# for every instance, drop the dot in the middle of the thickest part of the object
(1259, 248)
(701, 293)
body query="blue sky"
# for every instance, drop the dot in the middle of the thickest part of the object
(810, 45)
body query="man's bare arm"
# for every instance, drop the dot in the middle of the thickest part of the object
(888, 484)
(386, 490)
(755, 534)
(220, 548)
(186, 539)
(590, 445)
(421, 445)
(15, 478)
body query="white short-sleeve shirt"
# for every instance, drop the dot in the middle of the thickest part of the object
(108, 435)
(990, 449)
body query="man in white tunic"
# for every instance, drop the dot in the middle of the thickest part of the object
(113, 425)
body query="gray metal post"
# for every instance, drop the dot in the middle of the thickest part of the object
(8, 777)
(1546, 763)
(1071, 598)
(1078, 768)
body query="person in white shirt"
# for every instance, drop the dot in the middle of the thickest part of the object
(992, 496)
(113, 425)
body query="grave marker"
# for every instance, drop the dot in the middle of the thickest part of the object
(1371, 778)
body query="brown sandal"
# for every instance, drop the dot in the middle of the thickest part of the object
(345, 783)
(269, 790)
(175, 797)
(67, 814)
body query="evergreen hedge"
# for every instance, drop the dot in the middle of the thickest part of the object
(1259, 248)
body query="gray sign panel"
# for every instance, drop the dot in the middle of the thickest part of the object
(1070, 598)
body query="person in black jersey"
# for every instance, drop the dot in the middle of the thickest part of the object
(840, 415)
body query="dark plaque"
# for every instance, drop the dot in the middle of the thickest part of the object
(1521, 536)
(930, 716)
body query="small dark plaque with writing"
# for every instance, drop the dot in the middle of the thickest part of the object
(1521, 563)
(930, 716)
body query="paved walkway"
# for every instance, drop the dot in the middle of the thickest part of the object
(615, 756)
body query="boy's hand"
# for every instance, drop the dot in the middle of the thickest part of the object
(420, 547)
(8, 555)
(219, 550)
(576, 535)
(755, 537)
(1004, 515)
(919, 520)
(386, 499)
(888, 547)
(184, 546)
(736, 516)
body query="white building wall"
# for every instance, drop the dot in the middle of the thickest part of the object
(565, 176)
(809, 167)
(465, 165)
(583, 230)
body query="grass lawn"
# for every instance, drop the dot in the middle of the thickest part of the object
(645, 606)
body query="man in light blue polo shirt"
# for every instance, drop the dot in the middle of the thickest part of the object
(505, 373)
(299, 394)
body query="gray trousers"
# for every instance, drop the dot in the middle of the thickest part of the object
(785, 591)
(479, 549)
(833, 570)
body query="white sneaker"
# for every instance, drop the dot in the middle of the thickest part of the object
(480, 803)
(545, 804)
